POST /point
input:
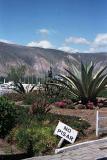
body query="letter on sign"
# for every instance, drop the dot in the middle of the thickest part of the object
(66, 132)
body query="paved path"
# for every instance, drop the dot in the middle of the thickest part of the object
(88, 151)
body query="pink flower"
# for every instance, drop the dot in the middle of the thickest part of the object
(60, 104)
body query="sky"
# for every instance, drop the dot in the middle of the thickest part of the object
(69, 25)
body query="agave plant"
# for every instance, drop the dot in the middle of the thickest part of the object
(85, 84)
(19, 87)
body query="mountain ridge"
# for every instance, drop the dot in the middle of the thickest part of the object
(38, 60)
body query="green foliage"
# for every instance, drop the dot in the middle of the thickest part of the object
(57, 93)
(14, 96)
(41, 106)
(40, 101)
(84, 84)
(40, 109)
(30, 98)
(39, 135)
(73, 121)
(7, 116)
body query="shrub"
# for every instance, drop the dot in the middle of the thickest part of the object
(39, 138)
(40, 104)
(73, 121)
(30, 98)
(60, 104)
(90, 105)
(7, 116)
(36, 137)
(14, 96)
(33, 97)
(57, 93)
(40, 108)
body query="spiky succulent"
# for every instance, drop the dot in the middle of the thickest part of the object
(84, 83)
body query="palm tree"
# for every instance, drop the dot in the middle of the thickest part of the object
(85, 84)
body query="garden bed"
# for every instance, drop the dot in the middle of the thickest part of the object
(34, 136)
(34, 126)
(86, 114)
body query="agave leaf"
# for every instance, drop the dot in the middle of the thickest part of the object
(32, 88)
(76, 72)
(84, 78)
(19, 87)
(94, 84)
(101, 87)
(96, 80)
(90, 72)
(76, 81)
(68, 80)
(68, 84)
(91, 64)
(99, 73)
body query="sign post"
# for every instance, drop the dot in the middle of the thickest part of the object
(66, 133)
(98, 119)
(97, 122)
(60, 142)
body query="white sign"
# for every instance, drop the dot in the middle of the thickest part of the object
(66, 132)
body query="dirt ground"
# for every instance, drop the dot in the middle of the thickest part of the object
(6, 148)
(88, 115)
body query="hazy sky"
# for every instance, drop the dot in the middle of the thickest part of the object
(70, 25)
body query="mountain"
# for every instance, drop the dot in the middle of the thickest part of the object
(38, 60)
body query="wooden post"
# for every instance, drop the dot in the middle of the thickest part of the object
(60, 142)
(97, 123)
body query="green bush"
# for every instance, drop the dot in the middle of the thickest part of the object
(14, 96)
(57, 93)
(40, 109)
(37, 136)
(33, 97)
(73, 121)
(7, 116)
(40, 104)
(30, 98)
(37, 139)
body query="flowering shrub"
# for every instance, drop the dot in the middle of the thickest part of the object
(40, 109)
(90, 105)
(41, 106)
(60, 104)
(101, 103)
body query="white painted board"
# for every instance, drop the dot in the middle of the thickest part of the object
(66, 132)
